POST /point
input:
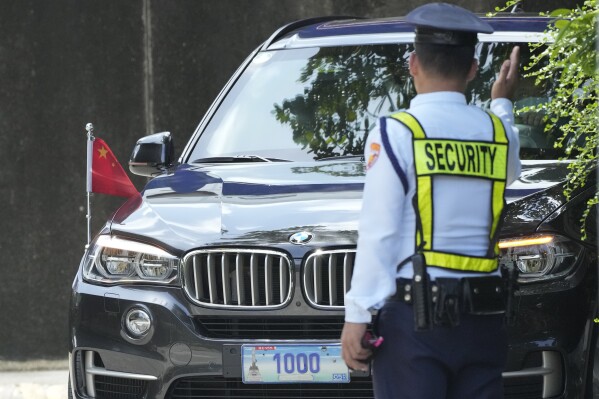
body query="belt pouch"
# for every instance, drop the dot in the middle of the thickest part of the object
(484, 295)
(447, 303)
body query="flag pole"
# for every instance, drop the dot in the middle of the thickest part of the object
(90, 140)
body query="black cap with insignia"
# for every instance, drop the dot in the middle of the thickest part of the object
(446, 24)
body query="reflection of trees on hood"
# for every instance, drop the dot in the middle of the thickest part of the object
(346, 90)
(342, 169)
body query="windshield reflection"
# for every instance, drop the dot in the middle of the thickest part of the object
(310, 104)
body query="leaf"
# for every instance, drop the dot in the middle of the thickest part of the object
(560, 12)
(561, 23)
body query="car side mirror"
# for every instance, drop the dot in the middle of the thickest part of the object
(152, 154)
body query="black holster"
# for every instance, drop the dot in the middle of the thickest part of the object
(510, 273)
(421, 295)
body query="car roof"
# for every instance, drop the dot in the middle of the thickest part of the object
(346, 30)
(393, 25)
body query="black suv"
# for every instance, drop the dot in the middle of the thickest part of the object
(227, 277)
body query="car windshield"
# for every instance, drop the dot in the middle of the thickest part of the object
(317, 103)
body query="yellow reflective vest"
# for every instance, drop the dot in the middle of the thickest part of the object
(468, 159)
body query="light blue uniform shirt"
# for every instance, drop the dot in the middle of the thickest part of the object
(461, 206)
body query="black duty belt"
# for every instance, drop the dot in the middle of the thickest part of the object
(451, 296)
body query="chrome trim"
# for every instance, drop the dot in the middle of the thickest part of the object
(120, 374)
(325, 264)
(551, 370)
(254, 284)
(90, 384)
(72, 376)
(282, 282)
(226, 283)
(239, 277)
(240, 270)
(394, 38)
(532, 372)
(268, 279)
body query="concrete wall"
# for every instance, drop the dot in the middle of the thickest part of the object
(132, 68)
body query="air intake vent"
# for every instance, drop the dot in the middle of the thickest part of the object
(238, 278)
(215, 387)
(327, 277)
(272, 327)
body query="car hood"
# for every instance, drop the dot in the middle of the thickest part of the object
(265, 203)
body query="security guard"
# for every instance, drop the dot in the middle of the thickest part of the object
(431, 210)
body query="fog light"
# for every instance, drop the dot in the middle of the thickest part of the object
(138, 322)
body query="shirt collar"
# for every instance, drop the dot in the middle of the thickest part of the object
(439, 96)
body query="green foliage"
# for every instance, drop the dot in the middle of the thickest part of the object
(567, 60)
(509, 4)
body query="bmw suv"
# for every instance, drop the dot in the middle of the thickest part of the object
(226, 278)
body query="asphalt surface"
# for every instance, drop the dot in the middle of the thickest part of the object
(49, 384)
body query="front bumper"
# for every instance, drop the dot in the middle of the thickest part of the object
(180, 359)
(181, 356)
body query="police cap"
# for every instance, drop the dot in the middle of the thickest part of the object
(446, 24)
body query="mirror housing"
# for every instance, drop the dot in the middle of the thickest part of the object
(152, 155)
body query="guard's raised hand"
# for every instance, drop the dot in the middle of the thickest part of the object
(507, 81)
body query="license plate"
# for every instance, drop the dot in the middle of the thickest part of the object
(279, 364)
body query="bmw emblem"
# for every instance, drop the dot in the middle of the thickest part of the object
(303, 237)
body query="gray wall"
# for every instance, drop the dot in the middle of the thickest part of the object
(132, 68)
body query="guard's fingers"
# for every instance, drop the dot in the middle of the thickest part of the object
(356, 364)
(514, 64)
(349, 360)
(355, 356)
(362, 354)
(357, 351)
(503, 71)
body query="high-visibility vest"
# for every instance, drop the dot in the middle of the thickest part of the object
(470, 159)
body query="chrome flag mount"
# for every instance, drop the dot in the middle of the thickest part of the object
(105, 174)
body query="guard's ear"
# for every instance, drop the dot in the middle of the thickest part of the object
(473, 70)
(414, 64)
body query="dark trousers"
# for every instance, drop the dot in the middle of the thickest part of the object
(463, 362)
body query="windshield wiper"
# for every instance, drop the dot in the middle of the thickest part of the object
(238, 159)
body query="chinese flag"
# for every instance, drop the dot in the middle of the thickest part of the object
(107, 174)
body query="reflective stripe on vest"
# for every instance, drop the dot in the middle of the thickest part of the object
(471, 159)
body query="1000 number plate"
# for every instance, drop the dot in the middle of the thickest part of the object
(268, 364)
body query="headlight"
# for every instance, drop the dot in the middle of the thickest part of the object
(540, 257)
(116, 260)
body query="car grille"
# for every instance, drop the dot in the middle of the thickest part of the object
(284, 327)
(119, 388)
(238, 278)
(218, 387)
(327, 277)
(530, 387)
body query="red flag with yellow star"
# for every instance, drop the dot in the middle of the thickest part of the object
(107, 174)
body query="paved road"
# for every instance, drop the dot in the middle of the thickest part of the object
(33, 384)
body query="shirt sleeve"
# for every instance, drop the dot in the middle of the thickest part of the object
(503, 108)
(383, 200)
